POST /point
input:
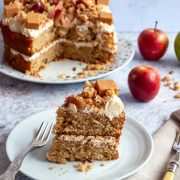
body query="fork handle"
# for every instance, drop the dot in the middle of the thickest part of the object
(171, 170)
(169, 175)
(15, 165)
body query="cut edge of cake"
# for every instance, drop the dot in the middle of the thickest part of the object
(93, 130)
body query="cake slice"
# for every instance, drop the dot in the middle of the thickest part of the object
(89, 125)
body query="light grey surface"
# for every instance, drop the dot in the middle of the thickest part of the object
(135, 15)
(19, 99)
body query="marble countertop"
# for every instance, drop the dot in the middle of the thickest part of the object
(20, 99)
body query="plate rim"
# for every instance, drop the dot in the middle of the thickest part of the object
(128, 118)
(74, 81)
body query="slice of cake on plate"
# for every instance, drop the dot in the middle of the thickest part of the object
(89, 125)
(40, 31)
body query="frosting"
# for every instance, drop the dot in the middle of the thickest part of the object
(97, 141)
(45, 49)
(82, 28)
(114, 107)
(15, 26)
(104, 27)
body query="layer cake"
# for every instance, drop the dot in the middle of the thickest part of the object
(88, 125)
(37, 32)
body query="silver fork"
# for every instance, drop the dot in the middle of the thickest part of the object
(40, 139)
(174, 164)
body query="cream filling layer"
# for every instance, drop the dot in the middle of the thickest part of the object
(113, 108)
(15, 26)
(97, 141)
(53, 44)
(104, 27)
(37, 54)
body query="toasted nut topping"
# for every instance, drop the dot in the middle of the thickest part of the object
(88, 92)
(105, 2)
(83, 166)
(88, 84)
(105, 85)
(34, 20)
(7, 1)
(106, 17)
(12, 9)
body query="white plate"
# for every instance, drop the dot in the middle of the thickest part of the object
(52, 73)
(136, 149)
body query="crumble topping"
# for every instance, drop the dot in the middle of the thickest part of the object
(34, 20)
(66, 14)
(12, 9)
(169, 82)
(100, 96)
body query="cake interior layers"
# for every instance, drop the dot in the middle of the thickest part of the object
(71, 147)
(28, 45)
(82, 123)
(57, 50)
(104, 37)
(83, 29)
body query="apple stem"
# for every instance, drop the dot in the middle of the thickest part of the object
(155, 27)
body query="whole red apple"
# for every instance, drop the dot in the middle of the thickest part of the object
(153, 43)
(144, 82)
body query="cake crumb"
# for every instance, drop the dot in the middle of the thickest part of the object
(171, 72)
(102, 164)
(74, 68)
(50, 168)
(62, 76)
(83, 166)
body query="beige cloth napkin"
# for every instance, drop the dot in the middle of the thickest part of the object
(163, 141)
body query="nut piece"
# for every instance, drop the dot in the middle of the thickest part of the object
(166, 78)
(77, 100)
(83, 166)
(105, 2)
(34, 20)
(88, 92)
(7, 1)
(12, 9)
(177, 86)
(177, 96)
(105, 85)
(106, 17)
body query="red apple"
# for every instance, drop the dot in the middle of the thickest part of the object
(153, 43)
(144, 82)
